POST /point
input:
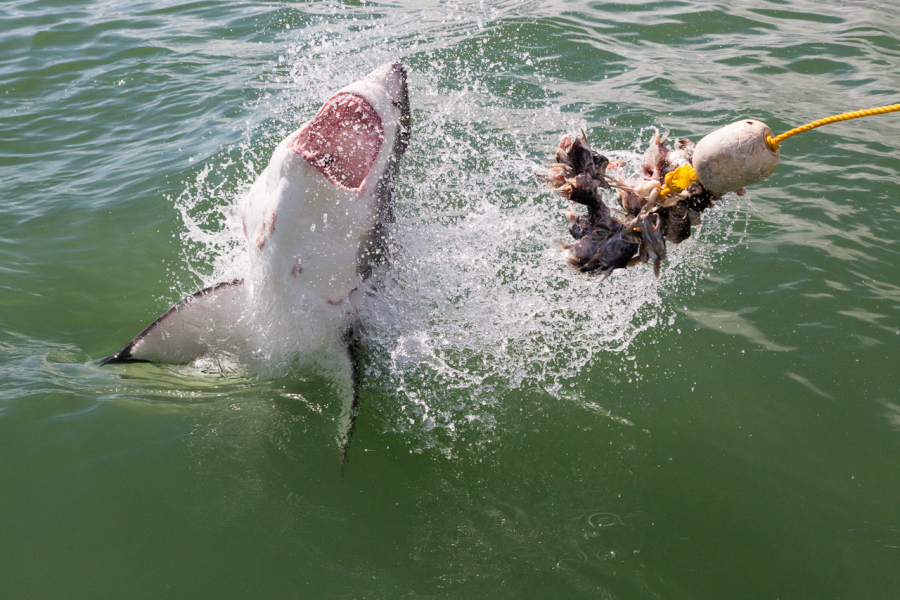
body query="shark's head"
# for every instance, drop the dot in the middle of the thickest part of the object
(362, 130)
(313, 219)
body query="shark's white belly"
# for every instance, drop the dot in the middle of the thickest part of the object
(304, 237)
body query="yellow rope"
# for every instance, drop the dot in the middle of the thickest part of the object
(775, 142)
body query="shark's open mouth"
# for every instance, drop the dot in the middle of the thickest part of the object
(343, 140)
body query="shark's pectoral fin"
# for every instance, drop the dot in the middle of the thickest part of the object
(190, 329)
(346, 380)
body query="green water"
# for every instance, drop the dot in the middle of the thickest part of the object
(731, 430)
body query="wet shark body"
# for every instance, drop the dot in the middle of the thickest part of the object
(313, 225)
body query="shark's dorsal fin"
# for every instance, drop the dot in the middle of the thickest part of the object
(189, 329)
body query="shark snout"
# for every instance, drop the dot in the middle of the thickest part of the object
(392, 77)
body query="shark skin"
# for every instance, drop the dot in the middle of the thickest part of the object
(312, 224)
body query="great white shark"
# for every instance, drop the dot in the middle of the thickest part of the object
(313, 227)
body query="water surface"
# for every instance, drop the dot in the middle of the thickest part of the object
(731, 430)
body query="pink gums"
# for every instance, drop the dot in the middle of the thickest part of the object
(343, 140)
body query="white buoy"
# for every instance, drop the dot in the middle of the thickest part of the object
(734, 156)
